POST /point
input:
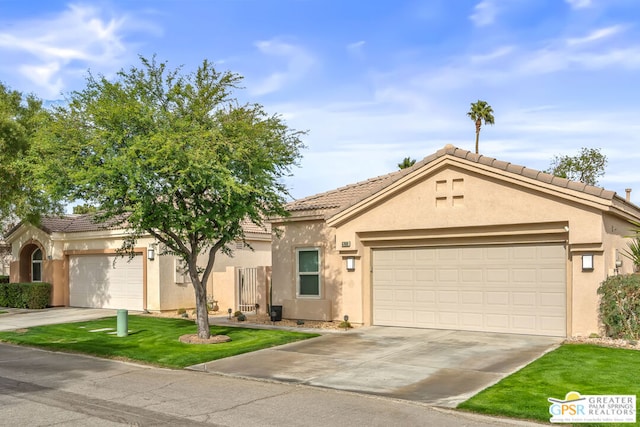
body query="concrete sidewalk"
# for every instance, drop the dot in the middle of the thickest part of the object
(17, 318)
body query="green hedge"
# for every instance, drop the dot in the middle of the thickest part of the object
(620, 306)
(25, 295)
(4, 279)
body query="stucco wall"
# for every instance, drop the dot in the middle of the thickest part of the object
(331, 302)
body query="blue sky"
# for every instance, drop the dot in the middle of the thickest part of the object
(372, 81)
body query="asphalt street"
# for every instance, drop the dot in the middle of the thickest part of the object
(40, 388)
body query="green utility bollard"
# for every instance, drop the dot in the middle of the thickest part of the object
(123, 323)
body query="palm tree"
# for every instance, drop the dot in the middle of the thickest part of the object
(407, 162)
(480, 112)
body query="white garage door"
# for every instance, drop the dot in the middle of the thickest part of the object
(95, 281)
(514, 289)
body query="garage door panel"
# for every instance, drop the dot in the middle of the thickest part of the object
(554, 300)
(445, 275)
(524, 299)
(472, 275)
(496, 321)
(519, 288)
(470, 320)
(497, 298)
(475, 298)
(450, 319)
(497, 276)
(524, 275)
(425, 296)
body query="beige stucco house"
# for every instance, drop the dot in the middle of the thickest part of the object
(79, 258)
(458, 241)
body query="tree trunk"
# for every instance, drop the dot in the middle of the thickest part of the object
(477, 138)
(202, 312)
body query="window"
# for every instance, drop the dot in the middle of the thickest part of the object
(36, 266)
(308, 271)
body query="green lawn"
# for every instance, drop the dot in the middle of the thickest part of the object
(587, 369)
(3, 311)
(151, 340)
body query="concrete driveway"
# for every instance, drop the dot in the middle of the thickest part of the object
(436, 367)
(16, 318)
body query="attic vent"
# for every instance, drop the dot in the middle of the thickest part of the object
(450, 193)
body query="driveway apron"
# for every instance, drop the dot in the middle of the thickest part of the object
(436, 367)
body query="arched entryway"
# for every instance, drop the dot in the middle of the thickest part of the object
(31, 262)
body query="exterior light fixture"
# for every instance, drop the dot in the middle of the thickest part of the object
(151, 253)
(346, 317)
(229, 311)
(351, 263)
(587, 262)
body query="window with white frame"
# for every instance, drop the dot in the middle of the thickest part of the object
(36, 265)
(308, 272)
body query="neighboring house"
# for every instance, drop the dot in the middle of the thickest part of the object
(5, 256)
(457, 241)
(79, 258)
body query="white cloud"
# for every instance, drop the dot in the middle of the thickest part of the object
(297, 63)
(579, 4)
(356, 49)
(52, 51)
(484, 13)
(596, 35)
(497, 53)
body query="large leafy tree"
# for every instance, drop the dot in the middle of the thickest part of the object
(480, 112)
(587, 166)
(174, 155)
(24, 185)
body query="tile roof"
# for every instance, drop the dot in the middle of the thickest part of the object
(344, 197)
(74, 223)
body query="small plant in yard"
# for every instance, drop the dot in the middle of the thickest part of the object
(237, 313)
(182, 311)
(345, 324)
(241, 317)
(620, 306)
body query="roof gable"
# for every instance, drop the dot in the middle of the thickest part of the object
(342, 203)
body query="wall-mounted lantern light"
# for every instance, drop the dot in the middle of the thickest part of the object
(351, 263)
(151, 253)
(587, 262)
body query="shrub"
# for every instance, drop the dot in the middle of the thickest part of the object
(4, 279)
(620, 306)
(345, 324)
(182, 311)
(242, 318)
(237, 314)
(25, 295)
